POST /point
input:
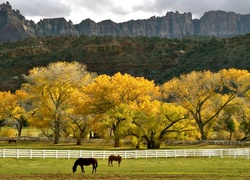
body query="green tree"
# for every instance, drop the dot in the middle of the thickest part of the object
(244, 115)
(231, 127)
(245, 123)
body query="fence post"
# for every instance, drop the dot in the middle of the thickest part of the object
(3, 153)
(17, 153)
(56, 154)
(221, 153)
(247, 154)
(146, 153)
(30, 153)
(166, 153)
(68, 154)
(43, 154)
(103, 154)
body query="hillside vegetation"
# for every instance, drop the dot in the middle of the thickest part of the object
(158, 59)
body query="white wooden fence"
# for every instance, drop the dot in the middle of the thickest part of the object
(39, 153)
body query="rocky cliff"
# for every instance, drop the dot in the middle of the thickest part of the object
(14, 26)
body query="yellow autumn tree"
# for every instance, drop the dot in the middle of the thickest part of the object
(7, 104)
(243, 116)
(19, 113)
(50, 89)
(245, 122)
(112, 96)
(79, 114)
(154, 121)
(205, 94)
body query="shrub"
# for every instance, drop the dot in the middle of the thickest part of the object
(7, 132)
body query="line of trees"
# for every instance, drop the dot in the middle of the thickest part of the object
(64, 98)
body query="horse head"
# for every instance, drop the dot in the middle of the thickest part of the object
(74, 169)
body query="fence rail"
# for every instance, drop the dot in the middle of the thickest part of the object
(126, 154)
(167, 142)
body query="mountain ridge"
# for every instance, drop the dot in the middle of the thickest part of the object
(14, 26)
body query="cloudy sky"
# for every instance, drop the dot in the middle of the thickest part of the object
(120, 10)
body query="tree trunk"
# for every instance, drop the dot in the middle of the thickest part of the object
(117, 142)
(153, 144)
(202, 132)
(19, 129)
(230, 137)
(81, 135)
(79, 141)
(57, 132)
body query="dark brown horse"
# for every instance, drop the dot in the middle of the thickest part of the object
(85, 162)
(11, 141)
(114, 158)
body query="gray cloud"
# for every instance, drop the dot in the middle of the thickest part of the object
(196, 7)
(43, 8)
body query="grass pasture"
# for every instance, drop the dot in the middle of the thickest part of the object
(161, 168)
(96, 144)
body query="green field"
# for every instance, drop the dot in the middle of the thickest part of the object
(101, 145)
(162, 168)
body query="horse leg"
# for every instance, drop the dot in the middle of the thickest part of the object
(82, 169)
(110, 162)
(94, 168)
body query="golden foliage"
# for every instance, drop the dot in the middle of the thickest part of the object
(205, 94)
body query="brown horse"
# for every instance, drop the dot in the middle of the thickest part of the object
(11, 141)
(114, 158)
(85, 162)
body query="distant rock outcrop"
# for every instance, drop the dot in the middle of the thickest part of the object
(14, 26)
(220, 23)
